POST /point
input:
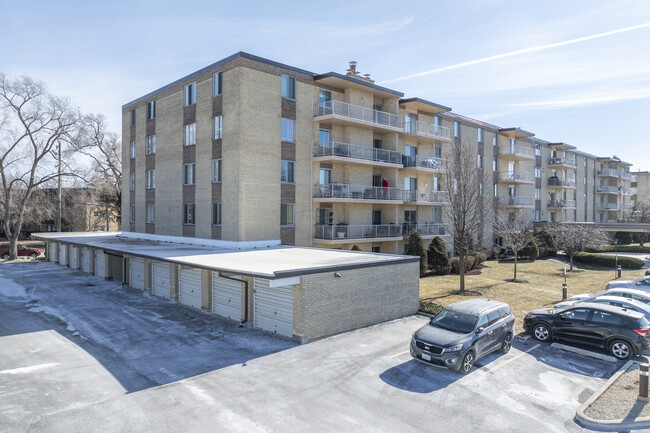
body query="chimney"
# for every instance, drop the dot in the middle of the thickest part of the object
(353, 67)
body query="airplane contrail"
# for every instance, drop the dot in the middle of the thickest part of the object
(518, 52)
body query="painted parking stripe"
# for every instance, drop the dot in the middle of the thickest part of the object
(400, 354)
(490, 370)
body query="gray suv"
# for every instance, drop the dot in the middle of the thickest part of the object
(463, 333)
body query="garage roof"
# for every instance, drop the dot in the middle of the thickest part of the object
(270, 262)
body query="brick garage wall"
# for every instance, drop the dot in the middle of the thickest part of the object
(360, 297)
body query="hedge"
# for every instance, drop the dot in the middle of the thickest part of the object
(620, 249)
(430, 307)
(608, 261)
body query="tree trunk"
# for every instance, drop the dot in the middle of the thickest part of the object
(570, 262)
(461, 270)
(515, 279)
(13, 245)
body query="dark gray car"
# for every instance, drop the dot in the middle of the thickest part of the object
(464, 332)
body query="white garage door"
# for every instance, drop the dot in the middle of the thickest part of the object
(53, 252)
(273, 307)
(136, 273)
(100, 264)
(189, 287)
(226, 297)
(62, 254)
(85, 260)
(160, 279)
(74, 256)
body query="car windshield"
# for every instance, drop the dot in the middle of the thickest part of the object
(455, 321)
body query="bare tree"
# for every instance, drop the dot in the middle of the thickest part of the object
(468, 204)
(575, 238)
(32, 124)
(516, 234)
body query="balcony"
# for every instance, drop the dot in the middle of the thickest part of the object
(626, 191)
(343, 232)
(426, 230)
(516, 152)
(561, 204)
(626, 175)
(607, 206)
(342, 113)
(424, 163)
(357, 154)
(516, 177)
(560, 182)
(338, 192)
(607, 189)
(517, 202)
(567, 162)
(425, 196)
(607, 172)
(427, 130)
(626, 206)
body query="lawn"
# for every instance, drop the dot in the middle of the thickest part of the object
(543, 289)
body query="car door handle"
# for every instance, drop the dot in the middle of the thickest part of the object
(491, 332)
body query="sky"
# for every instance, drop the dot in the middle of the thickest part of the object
(570, 71)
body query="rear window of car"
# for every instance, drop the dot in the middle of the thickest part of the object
(605, 318)
(493, 317)
(643, 323)
(504, 312)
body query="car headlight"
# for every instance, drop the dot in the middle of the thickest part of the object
(454, 348)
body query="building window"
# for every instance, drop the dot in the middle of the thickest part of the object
(132, 214)
(480, 161)
(189, 177)
(287, 130)
(150, 145)
(324, 96)
(480, 135)
(190, 94)
(287, 172)
(133, 117)
(538, 193)
(376, 249)
(151, 110)
(216, 170)
(132, 182)
(286, 214)
(188, 214)
(216, 214)
(538, 149)
(288, 87)
(495, 164)
(494, 140)
(538, 172)
(216, 83)
(218, 125)
(151, 179)
(537, 215)
(456, 129)
(150, 212)
(132, 150)
(190, 134)
(325, 176)
(495, 190)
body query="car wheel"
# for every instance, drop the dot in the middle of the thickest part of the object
(507, 343)
(467, 363)
(33, 256)
(542, 332)
(621, 349)
(4, 256)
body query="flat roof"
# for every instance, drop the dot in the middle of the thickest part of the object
(335, 79)
(516, 132)
(270, 262)
(424, 105)
(562, 146)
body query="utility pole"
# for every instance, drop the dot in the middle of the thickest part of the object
(58, 214)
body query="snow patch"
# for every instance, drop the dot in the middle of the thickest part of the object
(200, 393)
(30, 369)
(11, 289)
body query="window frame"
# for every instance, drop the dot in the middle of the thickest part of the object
(216, 205)
(218, 171)
(131, 181)
(186, 208)
(150, 144)
(288, 92)
(133, 118)
(189, 134)
(151, 110)
(189, 94)
(218, 131)
(291, 174)
(132, 213)
(132, 149)
(481, 136)
(150, 214)
(456, 129)
(291, 139)
(217, 83)
(284, 207)
(151, 179)
(185, 173)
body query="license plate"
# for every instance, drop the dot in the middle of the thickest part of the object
(426, 357)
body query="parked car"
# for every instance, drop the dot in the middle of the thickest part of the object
(23, 251)
(630, 304)
(641, 283)
(464, 332)
(637, 295)
(621, 331)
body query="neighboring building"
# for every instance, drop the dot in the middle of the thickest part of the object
(249, 149)
(641, 187)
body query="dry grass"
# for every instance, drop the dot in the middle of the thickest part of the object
(543, 289)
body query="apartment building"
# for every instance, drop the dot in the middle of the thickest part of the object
(250, 149)
(641, 187)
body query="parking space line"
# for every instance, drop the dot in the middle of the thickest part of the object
(489, 370)
(399, 354)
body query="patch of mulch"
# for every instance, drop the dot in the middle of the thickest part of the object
(467, 293)
(511, 280)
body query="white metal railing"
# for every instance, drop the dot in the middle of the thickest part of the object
(562, 161)
(608, 172)
(607, 206)
(343, 231)
(562, 203)
(516, 150)
(516, 176)
(358, 112)
(514, 201)
(626, 206)
(626, 175)
(607, 189)
(560, 181)
(626, 191)
(430, 162)
(359, 192)
(425, 195)
(348, 150)
(426, 229)
(428, 129)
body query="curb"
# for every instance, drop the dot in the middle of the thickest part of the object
(584, 352)
(611, 424)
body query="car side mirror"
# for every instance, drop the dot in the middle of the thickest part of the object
(562, 317)
(479, 330)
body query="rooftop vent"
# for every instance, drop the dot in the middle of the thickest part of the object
(352, 72)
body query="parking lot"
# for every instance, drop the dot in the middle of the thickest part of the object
(80, 354)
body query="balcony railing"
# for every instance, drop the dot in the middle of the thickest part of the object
(344, 109)
(626, 191)
(437, 164)
(516, 176)
(607, 189)
(425, 195)
(626, 175)
(515, 201)
(560, 181)
(425, 229)
(607, 206)
(515, 150)
(562, 161)
(608, 172)
(348, 150)
(626, 206)
(358, 192)
(562, 203)
(428, 129)
(343, 231)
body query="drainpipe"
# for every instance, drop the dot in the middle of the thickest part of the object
(221, 275)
